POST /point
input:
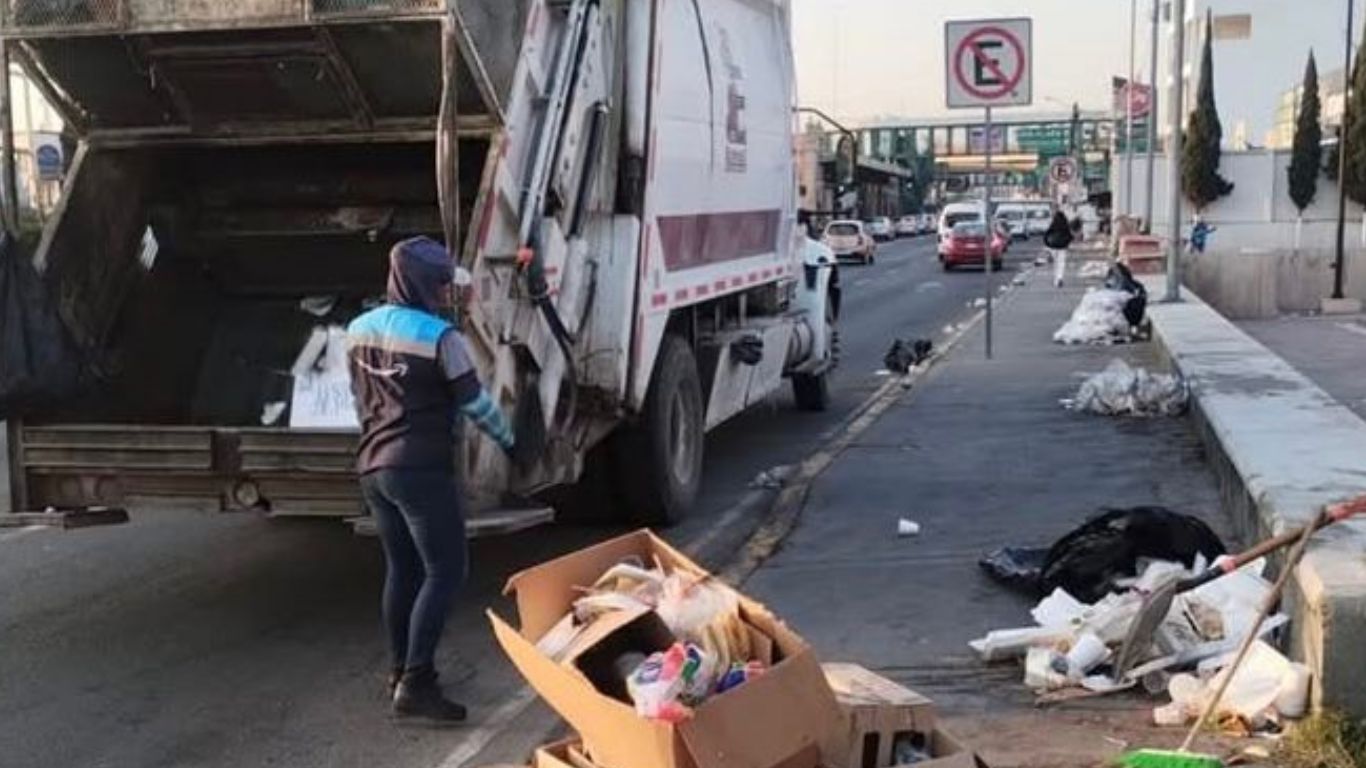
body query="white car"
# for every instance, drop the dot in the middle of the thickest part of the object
(850, 240)
(880, 227)
(927, 223)
(908, 226)
(1015, 220)
(1038, 219)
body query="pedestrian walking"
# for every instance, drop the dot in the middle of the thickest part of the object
(411, 373)
(1058, 239)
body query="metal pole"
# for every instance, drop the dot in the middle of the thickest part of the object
(1129, 112)
(991, 231)
(1174, 143)
(1340, 262)
(447, 141)
(1152, 125)
(9, 182)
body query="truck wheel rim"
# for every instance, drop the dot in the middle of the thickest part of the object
(682, 440)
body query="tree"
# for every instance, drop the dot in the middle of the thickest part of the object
(1306, 158)
(1200, 179)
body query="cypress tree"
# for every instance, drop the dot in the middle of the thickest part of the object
(1307, 156)
(1200, 179)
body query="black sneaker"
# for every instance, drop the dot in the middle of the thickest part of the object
(418, 695)
(395, 676)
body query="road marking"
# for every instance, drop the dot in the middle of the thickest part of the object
(20, 533)
(484, 735)
(1353, 328)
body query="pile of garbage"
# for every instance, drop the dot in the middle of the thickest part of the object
(1085, 645)
(1122, 390)
(906, 354)
(1113, 314)
(655, 663)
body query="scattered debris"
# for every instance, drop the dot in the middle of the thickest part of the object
(906, 354)
(1040, 261)
(271, 413)
(1093, 270)
(949, 330)
(1266, 688)
(1121, 390)
(318, 306)
(907, 528)
(979, 303)
(771, 479)
(1020, 279)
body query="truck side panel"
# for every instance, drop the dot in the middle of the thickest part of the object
(720, 201)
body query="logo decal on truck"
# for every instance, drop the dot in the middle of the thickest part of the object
(737, 136)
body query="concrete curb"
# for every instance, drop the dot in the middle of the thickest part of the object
(1281, 448)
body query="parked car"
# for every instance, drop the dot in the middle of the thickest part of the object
(880, 227)
(908, 226)
(927, 222)
(966, 245)
(850, 241)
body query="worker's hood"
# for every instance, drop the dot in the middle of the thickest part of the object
(420, 274)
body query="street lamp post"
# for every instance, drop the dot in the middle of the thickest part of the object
(1340, 259)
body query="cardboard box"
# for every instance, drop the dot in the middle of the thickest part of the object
(563, 754)
(782, 719)
(876, 712)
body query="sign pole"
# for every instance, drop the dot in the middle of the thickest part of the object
(1129, 112)
(991, 230)
(1174, 138)
(1152, 126)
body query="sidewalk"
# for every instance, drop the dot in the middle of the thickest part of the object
(1328, 350)
(981, 455)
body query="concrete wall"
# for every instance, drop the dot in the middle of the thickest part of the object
(1282, 448)
(1252, 267)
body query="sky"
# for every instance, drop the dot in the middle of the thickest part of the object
(861, 59)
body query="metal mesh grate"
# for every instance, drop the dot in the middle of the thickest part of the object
(62, 14)
(336, 8)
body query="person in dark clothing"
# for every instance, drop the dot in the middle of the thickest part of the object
(1058, 239)
(411, 373)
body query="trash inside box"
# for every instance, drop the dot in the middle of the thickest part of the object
(783, 717)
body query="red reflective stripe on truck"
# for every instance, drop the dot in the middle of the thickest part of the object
(720, 286)
(711, 238)
(681, 294)
(659, 300)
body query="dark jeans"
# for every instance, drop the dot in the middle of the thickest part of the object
(421, 519)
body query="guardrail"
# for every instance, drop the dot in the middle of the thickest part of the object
(59, 17)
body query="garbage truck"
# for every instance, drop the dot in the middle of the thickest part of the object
(615, 177)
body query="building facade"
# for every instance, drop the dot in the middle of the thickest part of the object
(1260, 48)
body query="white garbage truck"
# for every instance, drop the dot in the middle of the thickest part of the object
(617, 177)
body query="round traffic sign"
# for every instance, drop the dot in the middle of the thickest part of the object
(973, 51)
(1063, 170)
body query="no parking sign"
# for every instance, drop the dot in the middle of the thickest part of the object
(989, 63)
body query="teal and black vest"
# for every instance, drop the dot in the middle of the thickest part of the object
(407, 414)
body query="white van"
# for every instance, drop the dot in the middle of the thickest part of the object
(958, 213)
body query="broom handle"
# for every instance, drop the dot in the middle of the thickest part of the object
(1334, 513)
(1268, 604)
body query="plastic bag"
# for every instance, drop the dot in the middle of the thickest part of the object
(664, 686)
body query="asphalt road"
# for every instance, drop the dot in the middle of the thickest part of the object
(189, 640)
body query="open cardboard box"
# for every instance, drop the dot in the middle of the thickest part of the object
(782, 719)
(946, 751)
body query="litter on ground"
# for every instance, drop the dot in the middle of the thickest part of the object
(1122, 390)
(1093, 270)
(1099, 319)
(905, 354)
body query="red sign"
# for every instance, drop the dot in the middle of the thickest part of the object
(977, 68)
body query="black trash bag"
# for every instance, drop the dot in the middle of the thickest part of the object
(1120, 278)
(39, 365)
(905, 354)
(1088, 561)
(1016, 567)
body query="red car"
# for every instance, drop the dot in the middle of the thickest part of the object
(966, 245)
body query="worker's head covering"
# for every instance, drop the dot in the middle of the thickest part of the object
(420, 273)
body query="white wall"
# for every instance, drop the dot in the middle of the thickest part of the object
(1251, 268)
(1258, 215)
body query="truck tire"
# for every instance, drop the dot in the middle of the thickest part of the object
(663, 449)
(811, 391)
